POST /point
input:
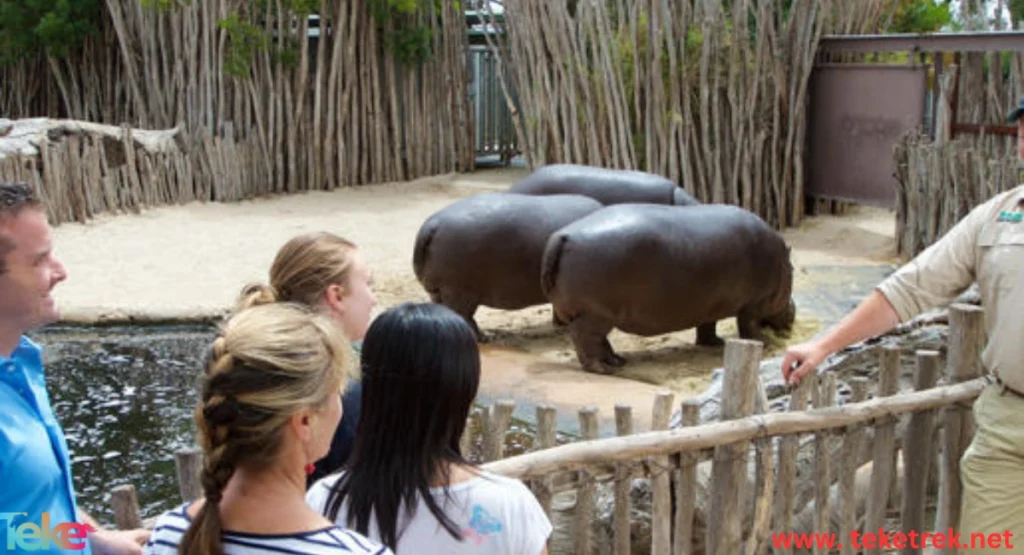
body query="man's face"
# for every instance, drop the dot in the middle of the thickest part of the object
(30, 272)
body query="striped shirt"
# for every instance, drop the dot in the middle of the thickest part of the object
(170, 529)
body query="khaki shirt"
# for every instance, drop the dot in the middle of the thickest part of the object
(987, 247)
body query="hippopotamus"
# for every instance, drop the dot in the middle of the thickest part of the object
(609, 186)
(486, 250)
(649, 269)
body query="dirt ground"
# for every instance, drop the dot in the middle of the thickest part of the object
(190, 261)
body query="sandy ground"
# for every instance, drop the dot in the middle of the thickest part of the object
(190, 261)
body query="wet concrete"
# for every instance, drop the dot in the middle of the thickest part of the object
(531, 381)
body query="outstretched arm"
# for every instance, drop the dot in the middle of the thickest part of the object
(937, 275)
(874, 316)
(114, 542)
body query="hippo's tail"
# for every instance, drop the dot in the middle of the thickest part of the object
(549, 264)
(419, 253)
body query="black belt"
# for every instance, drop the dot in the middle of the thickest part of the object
(1006, 388)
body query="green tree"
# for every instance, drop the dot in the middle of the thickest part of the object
(1016, 11)
(920, 16)
(53, 26)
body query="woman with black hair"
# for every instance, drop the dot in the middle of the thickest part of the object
(407, 484)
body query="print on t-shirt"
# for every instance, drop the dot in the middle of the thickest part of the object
(481, 525)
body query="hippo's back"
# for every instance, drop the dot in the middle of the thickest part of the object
(607, 185)
(643, 265)
(490, 245)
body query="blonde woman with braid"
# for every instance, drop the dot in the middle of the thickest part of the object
(269, 405)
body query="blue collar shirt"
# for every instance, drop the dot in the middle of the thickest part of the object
(35, 469)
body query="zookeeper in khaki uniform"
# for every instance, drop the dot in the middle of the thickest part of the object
(987, 247)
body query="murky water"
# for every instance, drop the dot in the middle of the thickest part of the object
(125, 398)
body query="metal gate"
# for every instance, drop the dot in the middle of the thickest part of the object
(494, 131)
(857, 114)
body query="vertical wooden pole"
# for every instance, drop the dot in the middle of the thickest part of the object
(824, 396)
(963, 363)
(850, 460)
(189, 463)
(623, 483)
(585, 495)
(917, 451)
(884, 447)
(661, 482)
(686, 487)
(126, 507)
(729, 469)
(785, 493)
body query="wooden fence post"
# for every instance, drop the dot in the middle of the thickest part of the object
(882, 467)
(850, 460)
(966, 338)
(189, 463)
(126, 507)
(623, 484)
(764, 448)
(785, 505)
(584, 540)
(686, 487)
(824, 396)
(917, 451)
(545, 439)
(729, 469)
(661, 482)
(498, 419)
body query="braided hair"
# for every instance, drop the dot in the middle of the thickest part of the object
(268, 362)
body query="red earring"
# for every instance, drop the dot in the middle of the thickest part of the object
(310, 468)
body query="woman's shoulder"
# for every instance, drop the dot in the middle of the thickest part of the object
(317, 494)
(168, 529)
(496, 490)
(489, 479)
(355, 542)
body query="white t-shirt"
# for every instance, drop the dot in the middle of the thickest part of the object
(496, 515)
(331, 540)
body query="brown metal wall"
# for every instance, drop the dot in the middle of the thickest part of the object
(857, 114)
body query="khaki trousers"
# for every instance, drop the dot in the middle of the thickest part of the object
(992, 473)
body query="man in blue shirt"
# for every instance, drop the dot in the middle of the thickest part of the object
(38, 512)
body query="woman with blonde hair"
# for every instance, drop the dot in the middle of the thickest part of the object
(269, 405)
(328, 273)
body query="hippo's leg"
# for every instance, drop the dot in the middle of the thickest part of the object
(611, 357)
(557, 320)
(590, 338)
(749, 328)
(707, 336)
(467, 309)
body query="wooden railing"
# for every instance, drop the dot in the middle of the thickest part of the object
(854, 483)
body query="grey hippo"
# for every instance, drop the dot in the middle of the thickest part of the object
(486, 250)
(649, 269)
(609, 186)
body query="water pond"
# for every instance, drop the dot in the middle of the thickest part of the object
(125, 397)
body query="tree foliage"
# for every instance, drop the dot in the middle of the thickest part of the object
(52, 26)
(408, 35)
(920, 16)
